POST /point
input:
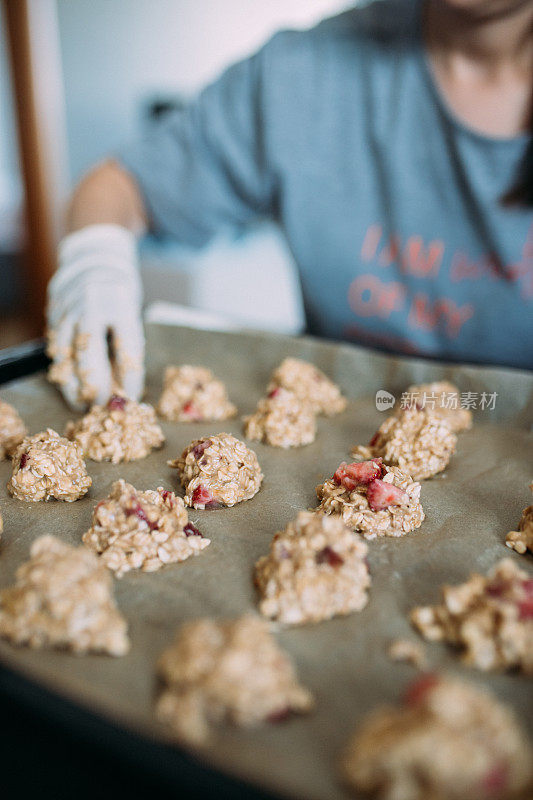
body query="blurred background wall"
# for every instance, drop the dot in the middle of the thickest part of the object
(118, 59)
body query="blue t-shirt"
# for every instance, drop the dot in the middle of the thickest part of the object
(390, 205)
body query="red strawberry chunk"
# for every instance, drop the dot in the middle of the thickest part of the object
(419, 689)
(191, 530)
(329, 556)
(274, 392)
(280, 715)
(199, 449)
(23, 460)
(191, 411)
(116, 403)
(374, 439)
(357, 474)
(381, 494)
(525, 606)
(203, 497)
(166, 494)
(140, 513)
(496, 781)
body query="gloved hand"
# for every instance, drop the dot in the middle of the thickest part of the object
(95, 333)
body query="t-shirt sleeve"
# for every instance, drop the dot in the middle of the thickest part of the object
(204, 168)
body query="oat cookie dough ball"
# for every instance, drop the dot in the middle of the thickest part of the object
(193, 394)
(142, 530)
(12, 430)
(63, 597)
(414, 441)
(316, 569)
(449, 740)
(226, 672)
(489, 619)
(373, 499)
(282, 419)
(46, 466)
(218, 471)
(442, 400)
(522, 539)
(122, 430)
(310, 384)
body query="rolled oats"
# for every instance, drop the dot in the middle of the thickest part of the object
(282, 420)
(413, 440)
(226, 671)
(12, 430)
(63, 598)
(122, 430)
(315, 570)
(522, 539)
(193, 394)
(442, 400)
(309, 384)
(394, 512)
(46, 466)
(448, 741)
(489, 618)
(218, 471)
(142, 530)
(411, 652)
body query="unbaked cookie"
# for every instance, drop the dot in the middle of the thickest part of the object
(193, 394)
(282, 419)
(310, 384)
(122, 430)
(46, 466)
(226, 671)
(442, 400)
(63, 597)
(12, 430)
(372, 498)
(142, 530)
(413, 440)
(449, 740)
(522, 539)
(315, 570)
(218, 471)
(490, 619)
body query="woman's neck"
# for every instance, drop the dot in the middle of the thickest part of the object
(483, 62)
(488, 36)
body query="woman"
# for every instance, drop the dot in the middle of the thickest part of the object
(392, 144)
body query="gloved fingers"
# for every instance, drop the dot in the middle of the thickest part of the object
(62, 370)
(128, 348)
(92, 361)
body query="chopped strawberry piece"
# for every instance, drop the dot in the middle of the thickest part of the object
(280, 715)
(191, 411)
(274, 392)
(137, 510)
(23, 460)
(374, 439)
(418, 690)
(199, 449)
(191, 530)
(203, 497)
(356, 474)
(496, 589)
(116, 403)
(381, 494)
(166, 494)
(525, 608)
(496, 781)
(329, 556)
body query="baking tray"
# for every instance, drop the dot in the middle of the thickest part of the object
(344, 661)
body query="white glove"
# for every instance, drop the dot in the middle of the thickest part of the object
(94, 298)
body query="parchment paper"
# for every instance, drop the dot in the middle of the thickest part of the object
(344, 661)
